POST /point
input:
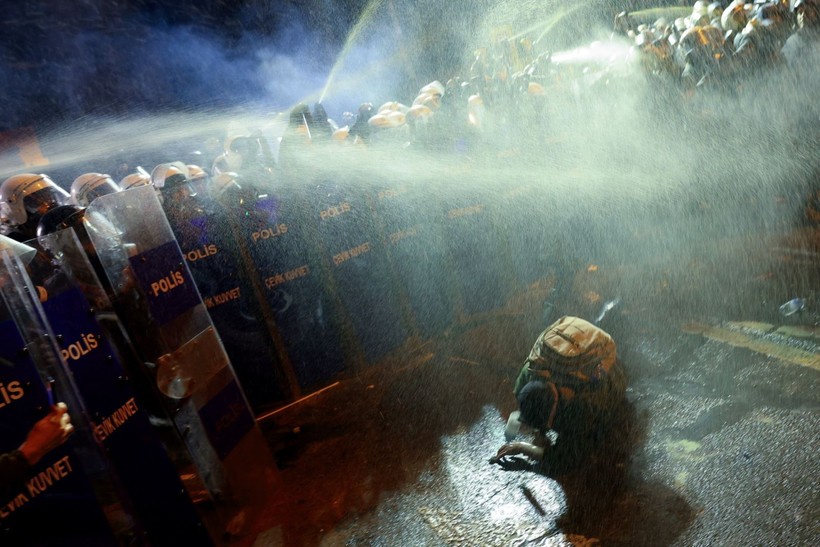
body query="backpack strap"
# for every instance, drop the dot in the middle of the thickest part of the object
(554, 409)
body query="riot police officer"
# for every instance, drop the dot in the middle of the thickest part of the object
(24, 199)
(172, 183)
(89, 186)
(733, 20)
(758, 45)
(249, 154)
(207, 239)
(701, 50)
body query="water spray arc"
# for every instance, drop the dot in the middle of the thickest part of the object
(364, 19)
(550, 24)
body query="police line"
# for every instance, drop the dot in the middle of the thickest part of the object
(156, 407)
(339, 275)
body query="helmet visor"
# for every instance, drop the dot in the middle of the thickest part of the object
(44, 199)
(100, 190)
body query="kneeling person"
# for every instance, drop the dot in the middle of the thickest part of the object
(568, 391)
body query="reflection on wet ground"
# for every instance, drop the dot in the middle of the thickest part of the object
(717, 444)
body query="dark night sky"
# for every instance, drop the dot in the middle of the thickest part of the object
(64, 61)
(72, 59)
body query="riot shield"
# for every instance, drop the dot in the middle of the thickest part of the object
(88, 333)
(164, 315)
(15, 248)
(276, 239)
(476, 253)
(406, 218)
(356, 257)
(215, 260)
(71, 495)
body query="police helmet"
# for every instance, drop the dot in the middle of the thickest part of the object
(245, 145)
(734, 17)
(379, 121)
(773, 22)
(393, 106)
(419, 111)
(714, 11)
(222, 183)
(341, 134)
(86, 188)
(431, 101)
(772, 14)
(699, 15)
(706, 39)
(235, 133)
(28, 194)
(196, 173)
(644, 38)
(169, 175)
(433, 88)
(396, 118)
(140, 178)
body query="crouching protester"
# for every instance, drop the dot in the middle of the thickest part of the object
(569, 392)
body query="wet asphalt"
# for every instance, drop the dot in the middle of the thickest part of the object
(717, 444)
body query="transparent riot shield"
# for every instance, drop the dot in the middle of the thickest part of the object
(278, 247)
(139, 441)
(215, 260)
(357, 260)
(69, 496)
(169, 324)
(406, 218)
(476, 254)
